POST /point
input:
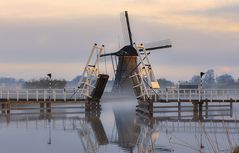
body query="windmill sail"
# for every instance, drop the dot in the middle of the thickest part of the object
(158, 45)
(125, 25)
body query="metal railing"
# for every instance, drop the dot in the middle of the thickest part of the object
(39, 94)
(196, 94)
(195, 127)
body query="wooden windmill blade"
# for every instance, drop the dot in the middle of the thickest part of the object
(127, 36)
(158, 45)
(108, 54)
(126, 30)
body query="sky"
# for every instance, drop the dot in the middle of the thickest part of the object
(41, 36)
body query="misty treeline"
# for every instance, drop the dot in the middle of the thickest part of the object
(8, 82)
(208, 80)
(44, 83)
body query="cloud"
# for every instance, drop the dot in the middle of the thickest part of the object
(227, 10)
(223, 17)
(43, 35)
(38, 70)
(55, 40)
(178, 12)
(227, 14)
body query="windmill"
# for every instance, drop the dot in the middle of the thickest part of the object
(131, 56)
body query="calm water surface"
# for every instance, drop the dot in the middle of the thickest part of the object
(119, 129)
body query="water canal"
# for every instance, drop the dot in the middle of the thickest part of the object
(118, 128)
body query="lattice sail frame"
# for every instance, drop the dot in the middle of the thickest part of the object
(91, 71)
(87, 137)
(144, 75)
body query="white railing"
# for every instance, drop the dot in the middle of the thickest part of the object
(197, 94)
(208, 126)
(39, 94)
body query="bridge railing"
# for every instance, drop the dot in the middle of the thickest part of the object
(197, 94)
(208, 126)
(39, 94)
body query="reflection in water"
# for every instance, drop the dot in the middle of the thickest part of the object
(147, 138)
(172, 129)
(127, 128)
(49, 125)
(88, 126)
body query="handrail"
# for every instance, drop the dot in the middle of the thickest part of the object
(197, 94)
(38, 94)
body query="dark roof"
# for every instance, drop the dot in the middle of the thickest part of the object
(127, 51)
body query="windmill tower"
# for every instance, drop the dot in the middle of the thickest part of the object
(128, 57)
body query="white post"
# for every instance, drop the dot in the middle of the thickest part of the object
(37, 95)
(223, 94)
(27, 95)
(178, 95)
(190, 96)
(8, 95)
(211, 95)
(155, 97)
(184, 94)
(199, 95)
(75, 97)
(97, 60)
(44, 94)
(167, 96)
(64, 94)
(17, 95)
(235, 96)
(87, 63)
(54, 95)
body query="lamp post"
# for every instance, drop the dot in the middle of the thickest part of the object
(49, 85)
(48, 107)
(201, 75)
(200, 106)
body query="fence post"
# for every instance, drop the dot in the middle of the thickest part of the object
(37, 95)
(7, 94)
(17, 95)
(44, 94)
(199, 95)
(231, 107)
(167, 96)
(211, 95)
(178, 95)
(64, 93)
(27, 95)
(75, 95)
(54, 95)
(223, 94)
